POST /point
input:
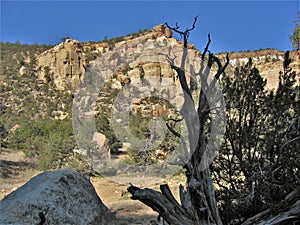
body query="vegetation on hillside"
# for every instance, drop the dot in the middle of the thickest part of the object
(259, 162)
(258, 165)
(28, 122)
(140, 125)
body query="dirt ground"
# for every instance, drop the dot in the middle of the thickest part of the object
(16, 170)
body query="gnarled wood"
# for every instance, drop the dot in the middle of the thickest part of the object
(164, 203)
(198, 202)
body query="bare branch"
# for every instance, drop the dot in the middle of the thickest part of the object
(184, 33)
(173, 131)
(206, 47)
(221, 68)
(175, 120)
(176, 29)
(193, 26)
(182, 79)
(185, 158)
(170, 210)
(185, 199)
(165, 190)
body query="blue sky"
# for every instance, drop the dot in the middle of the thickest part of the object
(234, 25)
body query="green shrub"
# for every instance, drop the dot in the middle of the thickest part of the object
(51, 141)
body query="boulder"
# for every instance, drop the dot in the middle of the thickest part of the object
(102, 145)
(56, 197)
(22, 70)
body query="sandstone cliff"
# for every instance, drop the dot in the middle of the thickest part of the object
(64, 65)
(269, 62)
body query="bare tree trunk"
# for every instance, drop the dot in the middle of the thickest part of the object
(197, 202)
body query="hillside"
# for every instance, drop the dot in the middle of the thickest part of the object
(63, 66)
(39, 71)
(40, 82)
(268, 62)
(102, 108)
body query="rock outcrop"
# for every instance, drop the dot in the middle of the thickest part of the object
(269, 62)
(63, 65)
(57, 197)
(102, 144)
(22, 70)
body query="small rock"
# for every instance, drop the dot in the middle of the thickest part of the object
(22, 71)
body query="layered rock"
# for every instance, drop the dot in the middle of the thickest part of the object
(57, 197)
(63, 65)
(269, 62)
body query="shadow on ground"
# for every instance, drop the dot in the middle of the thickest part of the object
(11, 168)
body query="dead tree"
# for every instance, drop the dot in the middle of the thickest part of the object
(197, 201)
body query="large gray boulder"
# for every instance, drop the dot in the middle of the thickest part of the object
(57, 197)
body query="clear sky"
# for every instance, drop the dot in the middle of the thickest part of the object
(234, 25)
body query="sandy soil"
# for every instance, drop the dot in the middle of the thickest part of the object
(16, 170)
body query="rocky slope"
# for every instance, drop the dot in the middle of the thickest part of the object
(65, 64)
(43, 83)
(57, 72)
(269, 62)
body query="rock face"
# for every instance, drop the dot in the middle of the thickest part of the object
(64, 65)
(161, 30)
(58, 197)
(269, 62)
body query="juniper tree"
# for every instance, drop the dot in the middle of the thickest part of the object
(197, 202)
